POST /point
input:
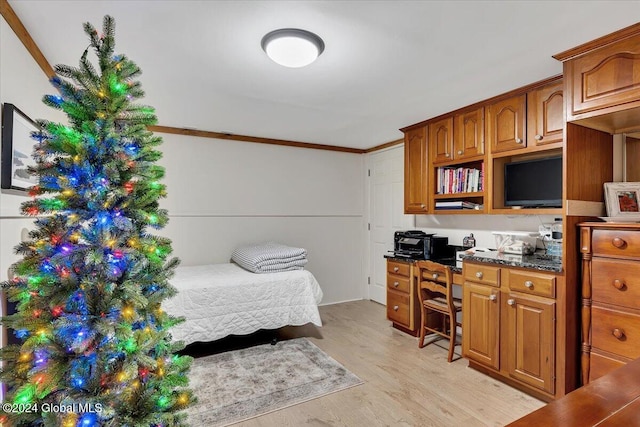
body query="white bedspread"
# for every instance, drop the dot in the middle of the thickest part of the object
(224, 299)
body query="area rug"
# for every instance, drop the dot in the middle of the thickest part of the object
(242, 384)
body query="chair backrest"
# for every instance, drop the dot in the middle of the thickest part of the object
(435, 278)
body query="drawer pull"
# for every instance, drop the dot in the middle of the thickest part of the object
(518, 140)
(539, 137)
(422, 206)
(618, 333)
(395, 269)
(618, 242)
(435, 276)
(479, 274)
(528, 284)
(493, 297)
(395, 308)
(511, 301)
(396, 284)
(460, 152)
(619, 284)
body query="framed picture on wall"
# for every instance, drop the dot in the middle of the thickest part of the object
(17, 148)
(622, 201)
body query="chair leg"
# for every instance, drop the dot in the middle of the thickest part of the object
(452, 335)
(423, 319)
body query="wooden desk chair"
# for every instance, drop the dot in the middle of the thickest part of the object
(435, 283)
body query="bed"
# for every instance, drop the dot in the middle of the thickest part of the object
(224, 299)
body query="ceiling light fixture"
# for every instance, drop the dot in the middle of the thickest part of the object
(292, 47)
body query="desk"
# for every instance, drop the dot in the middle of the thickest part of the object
(611, 400)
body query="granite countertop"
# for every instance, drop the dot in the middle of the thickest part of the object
(537, 261)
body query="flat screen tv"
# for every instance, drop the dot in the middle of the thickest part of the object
(534, 183)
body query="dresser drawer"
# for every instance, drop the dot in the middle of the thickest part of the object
(601, 365)
(400, 268)
(616, 282)
(399, 283)
(615, 331)
(622, 243)
(479, 273)
(398, 308)
(532, 283)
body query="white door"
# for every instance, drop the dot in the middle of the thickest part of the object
(386, 214)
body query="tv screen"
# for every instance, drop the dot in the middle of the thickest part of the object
(533, 183)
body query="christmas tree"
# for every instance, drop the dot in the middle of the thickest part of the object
(95, 348)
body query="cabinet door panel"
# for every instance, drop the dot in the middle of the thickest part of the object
(415, 171)
(506, 121)
(468, 134)
(545, 115)
(606, 77)
(531, 341)
(481, 324)
(441, 140)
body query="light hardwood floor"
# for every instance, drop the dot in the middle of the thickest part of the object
(403, 385)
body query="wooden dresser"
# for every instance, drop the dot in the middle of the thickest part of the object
(610, 297)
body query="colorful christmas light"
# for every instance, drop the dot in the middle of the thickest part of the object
(81, 287)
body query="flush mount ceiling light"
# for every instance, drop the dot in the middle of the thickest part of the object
(292, 47)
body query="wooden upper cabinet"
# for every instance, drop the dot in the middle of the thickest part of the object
(415, 171)
(602, 81)
(441, 140)
(607, 77)
(506, 121)
(545, 115)
(468, 134)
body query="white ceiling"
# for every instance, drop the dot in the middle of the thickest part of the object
(386, 65)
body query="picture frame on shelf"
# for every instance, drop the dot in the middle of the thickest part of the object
(17, 149)
(622, 200)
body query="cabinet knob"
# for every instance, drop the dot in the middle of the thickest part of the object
(618, 242)
(479, 274)
(460, 152)
(618, 333)
(395, 308)
(518, 140)
(396, 284)
(446, 154)
(395, 269)
(619, 284)
(422, 206)
(528, 284)
(539, 137)
(435, 276)
(493, 297)
(511, 301)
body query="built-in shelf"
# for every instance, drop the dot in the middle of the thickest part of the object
(527, 211)
(458, 211)
(458, 195)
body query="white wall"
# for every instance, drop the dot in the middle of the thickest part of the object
(23, 84)
(223, 194)
(456, 227)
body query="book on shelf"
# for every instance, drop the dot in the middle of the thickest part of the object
(450, 180)
(457, 204)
